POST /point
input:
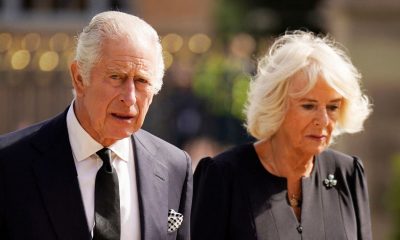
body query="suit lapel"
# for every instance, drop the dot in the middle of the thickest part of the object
(152, 180)
(56, 176)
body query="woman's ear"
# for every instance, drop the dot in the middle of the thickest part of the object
(77, 79)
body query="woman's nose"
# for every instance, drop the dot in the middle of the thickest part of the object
(322, 118)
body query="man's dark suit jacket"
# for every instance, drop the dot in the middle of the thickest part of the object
(39, 190)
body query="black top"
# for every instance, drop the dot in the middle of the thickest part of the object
(236, 198)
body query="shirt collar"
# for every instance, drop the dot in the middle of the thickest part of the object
(121, 148)
(83, 145)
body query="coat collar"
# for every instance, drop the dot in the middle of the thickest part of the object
(57, 180)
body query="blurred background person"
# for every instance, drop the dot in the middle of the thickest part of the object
(288, 184)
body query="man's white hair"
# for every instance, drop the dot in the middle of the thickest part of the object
(115, 25)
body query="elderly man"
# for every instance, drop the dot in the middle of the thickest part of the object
(91, 172)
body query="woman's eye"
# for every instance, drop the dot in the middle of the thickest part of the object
(332, 108)
(308, 106)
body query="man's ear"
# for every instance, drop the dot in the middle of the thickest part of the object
(77, 79)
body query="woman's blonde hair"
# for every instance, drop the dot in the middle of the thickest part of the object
(314, 56)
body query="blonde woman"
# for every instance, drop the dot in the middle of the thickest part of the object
(288, 184)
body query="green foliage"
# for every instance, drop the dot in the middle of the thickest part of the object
(221, 82)
(230, 16)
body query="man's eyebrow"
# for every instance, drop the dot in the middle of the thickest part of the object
(144, 74)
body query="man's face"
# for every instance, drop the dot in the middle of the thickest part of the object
(115, 101)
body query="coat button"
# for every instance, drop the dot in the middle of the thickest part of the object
(299, 229)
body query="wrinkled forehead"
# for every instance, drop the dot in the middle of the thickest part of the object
(129, 55)
(131, 65)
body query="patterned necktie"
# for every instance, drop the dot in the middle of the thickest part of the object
(106, 203)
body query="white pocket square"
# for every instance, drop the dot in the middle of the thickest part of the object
(174, 220)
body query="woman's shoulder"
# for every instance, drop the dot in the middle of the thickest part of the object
(347, 164)
(235, 153)
(231, 158)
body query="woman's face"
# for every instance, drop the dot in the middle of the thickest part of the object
(310, 119)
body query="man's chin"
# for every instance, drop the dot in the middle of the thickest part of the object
(114, 136)
(126, 133)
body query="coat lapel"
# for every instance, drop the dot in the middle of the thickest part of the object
(152, 180)
(256, 183)
(267, 198)
(56, 176)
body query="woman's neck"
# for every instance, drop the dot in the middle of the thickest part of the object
(278, 159)
(281, 161)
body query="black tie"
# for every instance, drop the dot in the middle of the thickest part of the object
(106, 201)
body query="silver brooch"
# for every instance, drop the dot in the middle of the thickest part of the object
(330, 182)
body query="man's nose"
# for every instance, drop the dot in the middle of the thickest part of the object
(128, 93)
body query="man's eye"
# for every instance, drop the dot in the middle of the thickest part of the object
(308, 106)
(115, 77)
(141, 80)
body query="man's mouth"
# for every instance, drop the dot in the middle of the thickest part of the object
(122, 116)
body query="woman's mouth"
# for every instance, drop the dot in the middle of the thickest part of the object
(317, 137)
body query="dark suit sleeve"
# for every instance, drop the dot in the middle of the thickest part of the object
(2, 204)
(210, 211)
(186, 202)
(361, 202)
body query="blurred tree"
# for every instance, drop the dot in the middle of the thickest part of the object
(393, 196)
(222, 82)
(262, 18)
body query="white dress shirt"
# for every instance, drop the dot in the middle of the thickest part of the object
(87, 163)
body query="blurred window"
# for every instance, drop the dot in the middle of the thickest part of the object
(54, 5)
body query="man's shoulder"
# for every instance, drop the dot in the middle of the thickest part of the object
(19, 135)
(16, 145)
(22, 135)
(152, 142)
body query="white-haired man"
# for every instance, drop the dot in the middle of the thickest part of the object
(91, 172)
